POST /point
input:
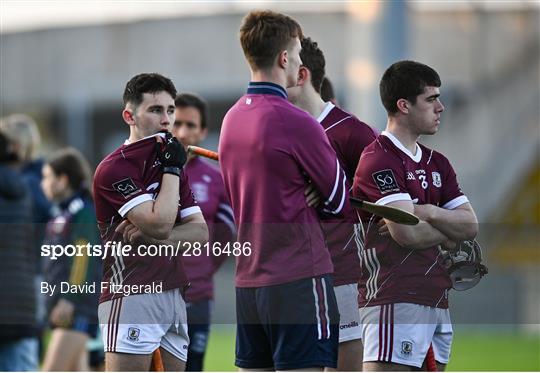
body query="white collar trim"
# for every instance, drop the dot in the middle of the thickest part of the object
(400, 146)
(144, 138)
(327, 109)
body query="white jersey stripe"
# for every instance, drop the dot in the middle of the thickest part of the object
(316, 297)
(336, 184)
(326, 309)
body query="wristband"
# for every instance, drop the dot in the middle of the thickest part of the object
(172, 170)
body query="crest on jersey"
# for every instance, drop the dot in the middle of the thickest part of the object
(126, 187)
(436, 179)
(386, 181)
(406, 347)
(133, 334)
(200, 190)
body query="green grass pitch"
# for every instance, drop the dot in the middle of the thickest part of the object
(471, 351)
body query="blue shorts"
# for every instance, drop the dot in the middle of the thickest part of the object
(287, 326)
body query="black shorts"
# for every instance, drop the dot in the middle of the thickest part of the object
(287, 326)
(198, 318)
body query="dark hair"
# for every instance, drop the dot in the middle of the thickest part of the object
(313, 58)
(405, 79)
(6, 153)
(327, 90)
(71, 162)
(147, 83)
(264, 34)
(190, 100)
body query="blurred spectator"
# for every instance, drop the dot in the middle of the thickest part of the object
(18, 341)
(23, 133)
(72, 310)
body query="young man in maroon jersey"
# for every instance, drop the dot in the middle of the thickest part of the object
(143, 198)
(348, 136)
(207, 185)
(286, 308)
(404, 285)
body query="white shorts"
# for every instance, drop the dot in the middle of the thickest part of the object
(401, 333)
(349, 317)
(141, 323)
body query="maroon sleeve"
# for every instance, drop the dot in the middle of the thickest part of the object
(360, 136)
(120, 186)
(452, 195)
(321, 166)
(380, 178)
(188, 203)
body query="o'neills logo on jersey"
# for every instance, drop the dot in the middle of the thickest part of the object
(352, 324)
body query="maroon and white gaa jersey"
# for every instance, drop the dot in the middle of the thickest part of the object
(388, 172)
(348, 136)
(269, 151)
(126, 178)
(207, 185)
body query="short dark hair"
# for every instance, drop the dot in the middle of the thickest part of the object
(71, 162)
(191, 100)
(147, 83)
(264, 34)
(327, 90)
(313, 58)
(6, 153)
(405, 79)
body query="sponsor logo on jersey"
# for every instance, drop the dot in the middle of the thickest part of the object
(436, 179)
(386, 181)
(126, 187)
(133, 334)
(352, 324)
(410, 176)
(406, 347)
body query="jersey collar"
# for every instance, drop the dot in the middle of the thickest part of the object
(162, 134)
(266, 88)
(400, 146)
(327, 109)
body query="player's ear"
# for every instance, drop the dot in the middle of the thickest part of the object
(303, 75)
(403, 105)
(283, 59)
(127, 115)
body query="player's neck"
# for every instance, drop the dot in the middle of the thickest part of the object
(311, 102)
(403, 134)
(272, 76)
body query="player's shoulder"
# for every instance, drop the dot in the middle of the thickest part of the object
(339, 119)
(378, 155)
(433, 155)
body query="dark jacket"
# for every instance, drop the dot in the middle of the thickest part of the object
(17, 259)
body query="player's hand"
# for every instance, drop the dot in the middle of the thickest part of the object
(62, 313)
(383, 228)
(313, 198)
(424, 212)
(133, 235)
(170, 152)
(449, 245)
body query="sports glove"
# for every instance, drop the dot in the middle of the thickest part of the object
(171, 154)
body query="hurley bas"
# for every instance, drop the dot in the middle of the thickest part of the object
(91, 288)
